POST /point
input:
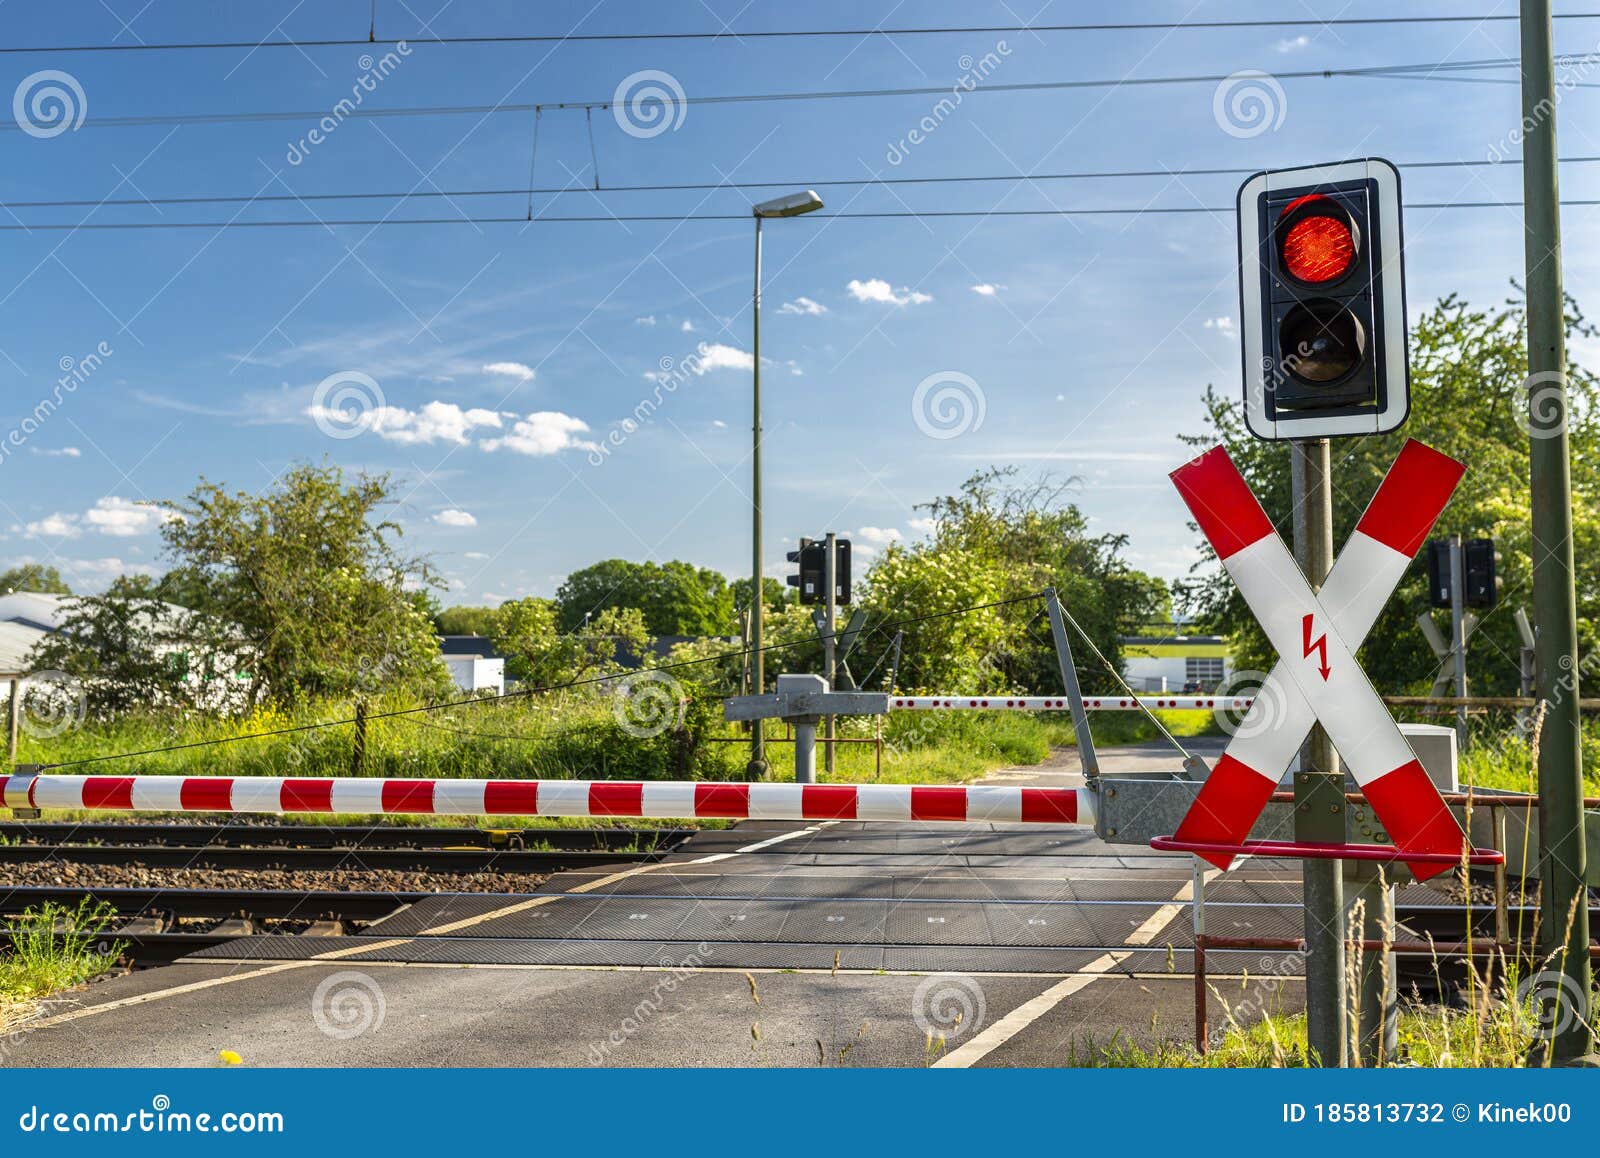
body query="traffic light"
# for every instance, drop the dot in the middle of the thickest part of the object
(812, 558)
(1439, 573)
(1480, 584)
(1322, 301)
(811, 562)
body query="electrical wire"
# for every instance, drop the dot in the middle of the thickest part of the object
(680, 218)
(520, 693)
(712, 186)
(1392, 70)
(740, 35)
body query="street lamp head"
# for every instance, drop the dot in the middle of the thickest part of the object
(789, 205)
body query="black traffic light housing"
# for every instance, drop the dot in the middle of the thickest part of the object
(812, 558)
(1480, 584)
(1439, 573)
(1322, 301)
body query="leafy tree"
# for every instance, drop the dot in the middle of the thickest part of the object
(676, 598)
(1001, 539)
(1468, 367)
(128, 648)
(540, 654)
(465, 621)
(775, 592)
(33, 577)
(311, 577)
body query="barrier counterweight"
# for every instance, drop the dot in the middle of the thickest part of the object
(665, 799)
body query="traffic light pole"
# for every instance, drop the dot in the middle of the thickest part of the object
(830, 579)
(1319, 785)
(1564, 922)
(757, 769)
(1458, 637)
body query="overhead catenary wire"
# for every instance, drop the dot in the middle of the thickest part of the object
(738, 35)
(504, 106)
(1513, 162)
(681, 218)
(520, 693)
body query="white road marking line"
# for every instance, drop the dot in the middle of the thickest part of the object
(1163, 916)
(1024, 1015)
(1013, 1023)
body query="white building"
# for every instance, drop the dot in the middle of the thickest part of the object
(474, 665)
(1164, 659)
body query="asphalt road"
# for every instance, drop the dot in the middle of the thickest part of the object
(649, 993)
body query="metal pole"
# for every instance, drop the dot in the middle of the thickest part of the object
(1458, 638)
(805, 751)
(758, 755)
(1562, 855)
(1202, 1025)
(1069, 684)
(829, 647)
(1376, 1014)
(13, 720)
(1525, 669)
(1319, 786)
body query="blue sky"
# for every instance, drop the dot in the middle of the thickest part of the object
(494, 359)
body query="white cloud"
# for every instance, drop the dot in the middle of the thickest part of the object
(518, 370)
(451, 517)
(56, 526)
(716, 356)
(647, 320)
(434, 421)
(543, 432)
(687, 327)
(60, 452)
(803, 306)
(1223, 325)
(875, 289)
(719, 424)
(109, 516)
(923, 526)
(477, 555)
(878, 536)
(987, 289)
(1294, 44)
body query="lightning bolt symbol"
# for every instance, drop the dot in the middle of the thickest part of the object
(1317, 646)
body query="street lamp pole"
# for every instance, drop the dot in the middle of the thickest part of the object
(792, 205)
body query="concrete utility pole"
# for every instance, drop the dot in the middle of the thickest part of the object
(1319, 785)
(1564, 924)
(1458, 637)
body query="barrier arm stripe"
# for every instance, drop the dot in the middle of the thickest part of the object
(689, 800)
(1001, 703)
(1310, 635)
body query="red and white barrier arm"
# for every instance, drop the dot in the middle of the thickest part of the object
(1317, 677)
(653, 798)
(1060, 703)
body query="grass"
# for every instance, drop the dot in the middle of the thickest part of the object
(42, 962)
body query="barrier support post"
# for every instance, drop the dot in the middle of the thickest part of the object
(1319, 812)
(1202, 1031)
(1069, 684)
(805, 750)
(1369, 901)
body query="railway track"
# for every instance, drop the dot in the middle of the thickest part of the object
(325, 847)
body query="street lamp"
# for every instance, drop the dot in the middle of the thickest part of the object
(790, 205)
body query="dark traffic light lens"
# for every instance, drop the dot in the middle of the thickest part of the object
(1321, 342)
(1318, 249)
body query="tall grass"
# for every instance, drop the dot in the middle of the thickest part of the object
(50, 952)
